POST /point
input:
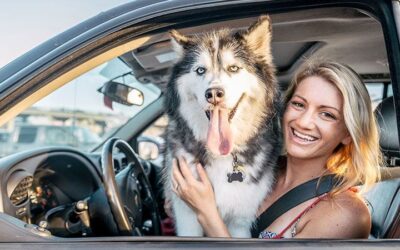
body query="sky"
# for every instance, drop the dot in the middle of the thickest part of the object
(24, 24)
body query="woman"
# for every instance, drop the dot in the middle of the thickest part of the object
(329, 128)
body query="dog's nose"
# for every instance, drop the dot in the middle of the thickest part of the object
(215, 95)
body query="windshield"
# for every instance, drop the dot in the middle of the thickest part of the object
(80, 114)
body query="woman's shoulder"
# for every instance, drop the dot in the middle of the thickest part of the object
(350, 204)
(343, 215)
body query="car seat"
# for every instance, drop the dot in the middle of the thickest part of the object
(384, 198)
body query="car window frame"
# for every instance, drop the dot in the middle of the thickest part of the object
(392, 46)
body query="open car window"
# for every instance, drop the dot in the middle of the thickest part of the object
(78, 114)
(379, 91)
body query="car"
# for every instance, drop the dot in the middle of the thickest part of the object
(109, 74)
(27, 136)
(4, 135)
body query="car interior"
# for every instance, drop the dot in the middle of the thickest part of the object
(61, 192)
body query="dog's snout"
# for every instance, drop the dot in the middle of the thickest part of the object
(215, 95)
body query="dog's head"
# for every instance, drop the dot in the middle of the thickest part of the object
(227, 79)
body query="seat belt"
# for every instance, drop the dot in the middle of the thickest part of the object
(291, 199)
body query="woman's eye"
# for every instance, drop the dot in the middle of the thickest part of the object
(328, 115)
(233, 68)
(200, 70)
(297, 104)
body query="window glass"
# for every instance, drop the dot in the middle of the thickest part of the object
(58, 135)
(27, 134)
(83, 112)
(4, 136)
(377, 92)
(151, 141)
(390, 90)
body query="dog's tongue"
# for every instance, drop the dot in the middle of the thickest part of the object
(219, 138)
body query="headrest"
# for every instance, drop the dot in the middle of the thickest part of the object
(389, 138)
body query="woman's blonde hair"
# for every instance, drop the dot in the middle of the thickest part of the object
(359, 161)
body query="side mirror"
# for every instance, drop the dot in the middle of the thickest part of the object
(122, 93)
(149, 147)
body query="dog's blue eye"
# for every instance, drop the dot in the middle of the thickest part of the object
(200, 70)
(233, 68)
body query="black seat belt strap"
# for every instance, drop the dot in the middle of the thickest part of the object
(291, 199)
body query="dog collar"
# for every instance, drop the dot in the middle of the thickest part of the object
(238, 171)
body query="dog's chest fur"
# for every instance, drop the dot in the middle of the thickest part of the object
(237, 199)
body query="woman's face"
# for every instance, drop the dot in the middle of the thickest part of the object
(313, 121)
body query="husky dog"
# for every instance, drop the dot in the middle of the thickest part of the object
(222, 103)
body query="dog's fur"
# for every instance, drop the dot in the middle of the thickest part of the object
(255, 136)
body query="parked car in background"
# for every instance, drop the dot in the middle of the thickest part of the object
(108, 75)
(28, 136)
(4, 135)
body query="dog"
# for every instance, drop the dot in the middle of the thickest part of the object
(223, 105)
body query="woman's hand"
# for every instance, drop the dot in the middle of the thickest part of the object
(199, 195)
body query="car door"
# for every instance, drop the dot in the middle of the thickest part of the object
(120, 30)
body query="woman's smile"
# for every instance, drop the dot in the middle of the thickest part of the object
(313, 123)
(302, 138)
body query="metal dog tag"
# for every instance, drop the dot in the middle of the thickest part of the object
(235, 176)
(238, 171)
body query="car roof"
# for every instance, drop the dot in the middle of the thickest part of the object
(347, 35)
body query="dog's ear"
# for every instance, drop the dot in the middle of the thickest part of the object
(179, 42)
(258, 37)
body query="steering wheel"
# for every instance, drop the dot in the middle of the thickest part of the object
(129, 192)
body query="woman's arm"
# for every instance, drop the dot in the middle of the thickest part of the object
(199, 195)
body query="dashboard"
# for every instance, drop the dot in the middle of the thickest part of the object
(36, 181)
(45, 186)
(36, 184)
(59, 180)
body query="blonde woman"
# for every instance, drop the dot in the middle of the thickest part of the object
(329, 129)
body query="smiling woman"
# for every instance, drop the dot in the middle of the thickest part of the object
(358, 156)
(315, 121)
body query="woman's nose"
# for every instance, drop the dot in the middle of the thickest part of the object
(306, 120)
